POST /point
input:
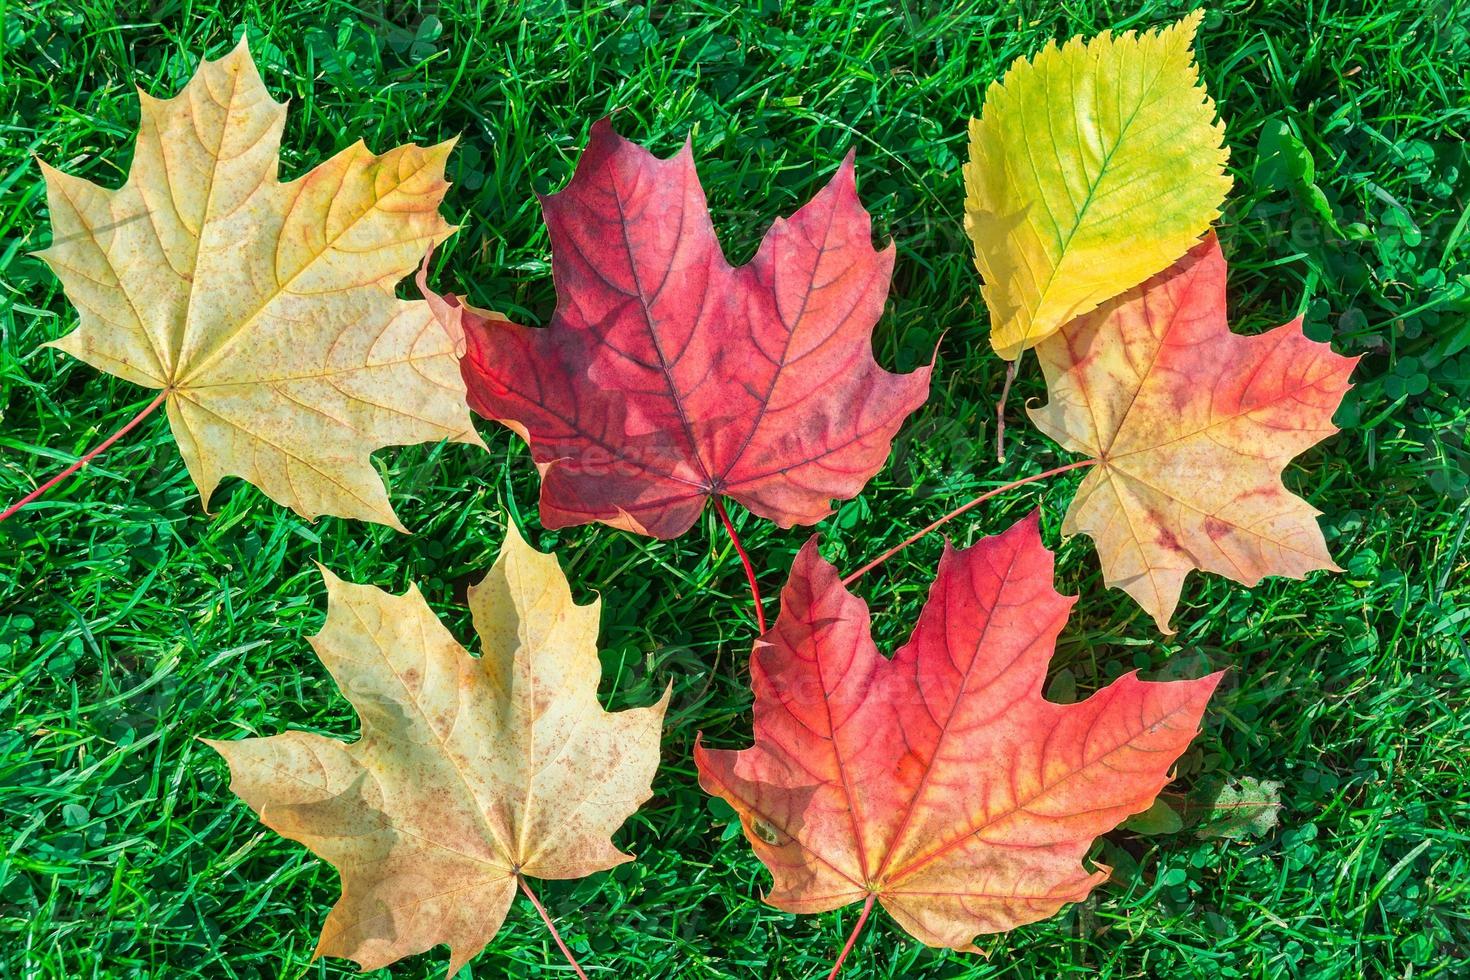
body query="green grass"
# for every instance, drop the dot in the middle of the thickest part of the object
(132, 622)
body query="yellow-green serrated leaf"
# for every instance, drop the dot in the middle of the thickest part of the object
(265, 310)
(1093, 166)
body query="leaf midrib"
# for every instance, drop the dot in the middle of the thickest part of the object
(1102, 174)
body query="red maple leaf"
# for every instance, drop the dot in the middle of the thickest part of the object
(668, 376)
(941, 783)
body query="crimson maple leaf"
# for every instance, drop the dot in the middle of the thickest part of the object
(941, 783)
(668, 376)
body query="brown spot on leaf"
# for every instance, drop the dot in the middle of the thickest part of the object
(765, 831)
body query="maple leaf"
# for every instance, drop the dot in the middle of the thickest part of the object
(941, 782)
(469, 772)
(667, 376)
(265, 310)
(1092, 166)
(1191, 426)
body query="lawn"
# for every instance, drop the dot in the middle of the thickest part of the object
(133, 623)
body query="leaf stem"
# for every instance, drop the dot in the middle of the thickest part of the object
(852, 938)
(547, 919)
(960, 510)
(1000, 408)
(755, 590)
(128, 427)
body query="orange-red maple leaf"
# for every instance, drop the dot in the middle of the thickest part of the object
(1191, 426)
(941, 782)
(668, 376)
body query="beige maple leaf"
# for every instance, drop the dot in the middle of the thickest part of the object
(470, 771)
(265, 310)
(1190, 426)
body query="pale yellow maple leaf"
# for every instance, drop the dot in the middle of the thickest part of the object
(1093, 166)
(265, 310)
(469, 772)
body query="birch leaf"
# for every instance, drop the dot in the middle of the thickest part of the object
(1093, 166)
